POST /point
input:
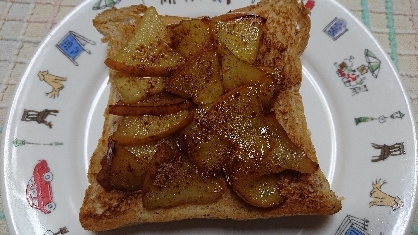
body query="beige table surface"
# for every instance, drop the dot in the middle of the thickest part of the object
(24, 23)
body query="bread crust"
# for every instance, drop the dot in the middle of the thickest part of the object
(286, 37)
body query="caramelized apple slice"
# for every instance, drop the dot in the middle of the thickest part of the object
(253, 173)
(137, 110)
(249, 177)
(262, 191)
(133, 130)
(239, 117)
(103, 176)
(192, 36)
(284, 153)
(252, 181)
(148, 52)
(145, 150)
(239, 114)
(127, 171)
(204, 147)
(199, 79)
(172, 181)
(240, 35)
(236, 72)
(134, 89)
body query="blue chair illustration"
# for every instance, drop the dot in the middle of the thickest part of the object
(353, 226)
(336, 28)
(73, 44)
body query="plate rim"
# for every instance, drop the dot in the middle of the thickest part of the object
(9, 114)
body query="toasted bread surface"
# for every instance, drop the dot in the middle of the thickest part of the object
(285, 38)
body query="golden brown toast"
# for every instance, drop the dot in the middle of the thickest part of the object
(284, 39)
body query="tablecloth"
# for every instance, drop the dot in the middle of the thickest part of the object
(24, 23)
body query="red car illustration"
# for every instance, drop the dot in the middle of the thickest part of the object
(310, 4)
(39, 190)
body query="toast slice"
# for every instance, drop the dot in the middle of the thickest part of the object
(284, 39)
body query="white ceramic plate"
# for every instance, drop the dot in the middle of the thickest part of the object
(355, 105)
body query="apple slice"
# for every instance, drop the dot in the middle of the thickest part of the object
(190, 37)
(172, 181)
(133, 130)
(240, 118)
(262, 191)
(252, 181)
(284, 153)
(205, 148)
(254, 177)
(146, 150)
(148, 52)
(199, 79)
(127, 171)
(137, 110)
(236, 72)
(241, 35)
(134, 89)
(239, 115)
(103, 176)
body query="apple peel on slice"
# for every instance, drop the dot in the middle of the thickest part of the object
(137, 110)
